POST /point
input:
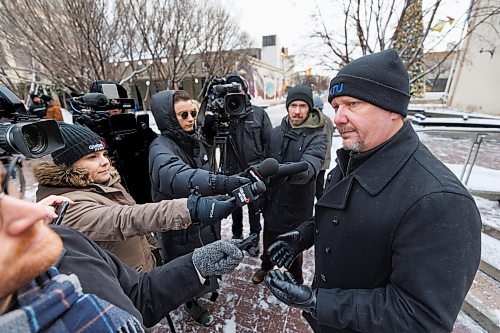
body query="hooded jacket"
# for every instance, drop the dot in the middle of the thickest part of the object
(397, 241)
(108, 215)
(177, 162)
(291, 203)
(177, 165)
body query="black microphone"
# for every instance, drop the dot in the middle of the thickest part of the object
(247, 193)
(291, 169)
(267, 168)
(93, 100)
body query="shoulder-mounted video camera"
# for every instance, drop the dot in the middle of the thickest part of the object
(225, 99)
(103, 96)
(23, 133)
(127, 135)
(223, 104)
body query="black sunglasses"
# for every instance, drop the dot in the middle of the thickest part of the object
(184, 114)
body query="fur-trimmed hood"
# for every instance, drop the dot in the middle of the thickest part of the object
(53, 175)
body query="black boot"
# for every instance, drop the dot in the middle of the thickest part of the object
(199, 313)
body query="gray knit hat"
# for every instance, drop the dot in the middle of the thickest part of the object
(78, 142)
(380, 79)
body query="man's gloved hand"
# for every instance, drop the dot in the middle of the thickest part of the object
(286, 248)
(208, 211)
(285, 288)
(217, 258)
(226, 184)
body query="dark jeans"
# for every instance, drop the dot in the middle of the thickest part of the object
(267, 265)
(320, 184)
(253, 219)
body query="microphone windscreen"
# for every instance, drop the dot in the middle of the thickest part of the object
(267, 168)
(95, 100)
(290, 169)
(259, 187)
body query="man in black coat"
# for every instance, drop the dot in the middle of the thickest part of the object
(248, 135)
(396, 235)
(289, 201)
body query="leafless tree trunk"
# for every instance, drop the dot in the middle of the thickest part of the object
(77, 42)
(72, 41)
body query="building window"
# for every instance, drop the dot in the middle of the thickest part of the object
(269, 40)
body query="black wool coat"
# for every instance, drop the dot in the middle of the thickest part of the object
(397, 243)
(291, 203)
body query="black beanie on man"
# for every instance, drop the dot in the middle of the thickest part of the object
(300, 92)
(380, 79)
(78, 142)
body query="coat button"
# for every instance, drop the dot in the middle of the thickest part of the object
(328, 250)
(316, 231)
(323, 278)
(335, 220)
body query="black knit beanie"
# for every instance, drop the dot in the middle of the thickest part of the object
(78, 142)
(300, 92)
(380, 79)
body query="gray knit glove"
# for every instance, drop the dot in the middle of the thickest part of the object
(217, 258)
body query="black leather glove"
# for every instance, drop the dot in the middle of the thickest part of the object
(286, 248)
(208, 211)
(226, 184)
(217, 258)
(285, 288)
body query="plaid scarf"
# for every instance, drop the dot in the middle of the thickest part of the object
(55, 302)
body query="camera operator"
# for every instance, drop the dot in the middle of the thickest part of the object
(249, 130)
(104, 211)
(177, 165)
(299, 138)
(55, 279)
(37, 106)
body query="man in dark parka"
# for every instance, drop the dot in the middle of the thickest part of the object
(299, 138)
(396, 235)
(249, 133)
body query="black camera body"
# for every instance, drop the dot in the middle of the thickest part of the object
(221, 111)
(224, 103)
(226, 98)
(23, 133)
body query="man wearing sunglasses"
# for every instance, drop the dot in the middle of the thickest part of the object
(178, 165)
(55, 279)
